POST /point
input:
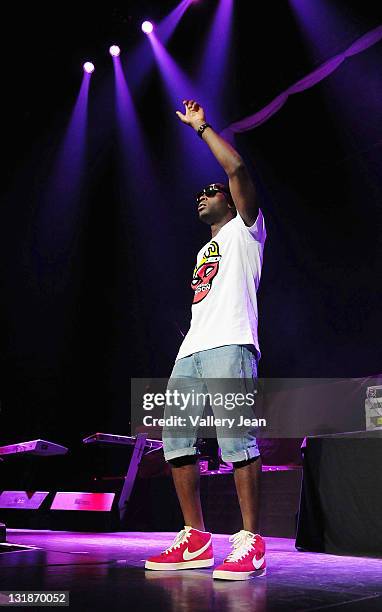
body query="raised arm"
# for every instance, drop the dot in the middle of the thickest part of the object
(240, 183)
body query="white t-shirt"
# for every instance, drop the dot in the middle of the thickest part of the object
(225, 280)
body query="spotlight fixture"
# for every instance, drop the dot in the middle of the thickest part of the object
(114, 50)
(89, 67)
(147, 27)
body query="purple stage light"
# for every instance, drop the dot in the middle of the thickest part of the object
(89, 67)
(168, 24)
(164, 30)
(114, 50)
(214, 64)
(178, 84)
(147, 27)
(61, 197)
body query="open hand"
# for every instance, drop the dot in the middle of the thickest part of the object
(193, 115)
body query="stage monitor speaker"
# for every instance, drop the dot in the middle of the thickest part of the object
(341, 498)
(22, 500)
(88, 502)
(24, 509)
(82, 511)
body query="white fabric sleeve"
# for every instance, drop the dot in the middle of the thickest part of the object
(257, 230)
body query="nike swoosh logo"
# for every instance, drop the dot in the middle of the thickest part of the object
(187, 555)
(257, 563)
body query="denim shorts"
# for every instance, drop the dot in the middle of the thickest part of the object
(232, 361)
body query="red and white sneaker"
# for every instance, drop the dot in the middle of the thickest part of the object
(246, 560)
(191, 548)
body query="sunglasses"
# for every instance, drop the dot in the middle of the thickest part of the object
(210, 192)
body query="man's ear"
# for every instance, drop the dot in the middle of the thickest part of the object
(230, 201)
(233, 208)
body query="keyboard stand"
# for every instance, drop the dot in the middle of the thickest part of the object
(135, 460)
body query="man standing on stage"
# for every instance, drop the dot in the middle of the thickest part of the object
(222, 342)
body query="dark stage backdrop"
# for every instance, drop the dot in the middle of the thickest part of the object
(77, 323)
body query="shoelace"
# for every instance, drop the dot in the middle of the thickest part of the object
(243, 542)
(181, 537)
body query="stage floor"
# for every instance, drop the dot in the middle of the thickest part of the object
(105, 572)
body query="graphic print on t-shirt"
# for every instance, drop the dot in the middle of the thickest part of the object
(205, 272)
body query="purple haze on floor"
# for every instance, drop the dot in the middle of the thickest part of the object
(96, 564)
